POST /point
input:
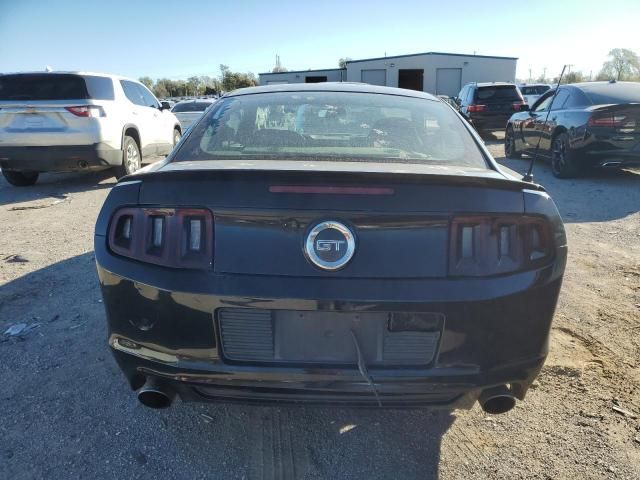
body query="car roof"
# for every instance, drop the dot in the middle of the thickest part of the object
(331, 87)
(534, 85)
(606, 86)
(71, 72)
(492, 84)
(197, 100)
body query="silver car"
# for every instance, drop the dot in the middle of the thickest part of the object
(189, 111)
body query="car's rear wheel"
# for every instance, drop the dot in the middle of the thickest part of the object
(131, 159)
(563, 159)
(510, 144)
(20, 179)
(176, 136)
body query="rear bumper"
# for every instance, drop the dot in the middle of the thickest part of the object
(59, 158)
(490, 122)
(495, 332)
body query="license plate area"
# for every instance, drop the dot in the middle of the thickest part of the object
(289, 337)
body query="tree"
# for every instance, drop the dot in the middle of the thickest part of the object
(573, 77)
(147, 82)
(193, 85)
(342, 63)
(622, 64)
(232, 80)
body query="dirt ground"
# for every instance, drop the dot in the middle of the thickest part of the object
(66, 411)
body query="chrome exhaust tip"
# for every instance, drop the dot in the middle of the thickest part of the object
(155, 395)
(497, 400)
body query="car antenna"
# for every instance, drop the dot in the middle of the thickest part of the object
(362, 368)
(528, 177)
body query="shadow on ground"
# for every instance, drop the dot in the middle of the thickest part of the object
(56, 186)
(67, 412)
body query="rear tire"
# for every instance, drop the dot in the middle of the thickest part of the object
(563, 159)
(20, 179)
(510, 150)
(131, 159)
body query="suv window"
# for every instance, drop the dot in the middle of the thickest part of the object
(497, 93)
(147, 97)
(55, 86)
(332, 126)
(132, 92)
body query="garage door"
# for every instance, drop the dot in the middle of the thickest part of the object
(374, 77)
(448, 81)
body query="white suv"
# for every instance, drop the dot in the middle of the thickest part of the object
(67, 121)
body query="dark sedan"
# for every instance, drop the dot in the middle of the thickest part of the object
(595, 124)
(330, 243)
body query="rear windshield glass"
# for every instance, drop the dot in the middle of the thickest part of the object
(534, 89)
(608, 93)
(497, 93)
(332, 126)
(191, 107)
(55, 87)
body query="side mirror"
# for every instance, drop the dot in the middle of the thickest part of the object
(525, 108)
(165, 106)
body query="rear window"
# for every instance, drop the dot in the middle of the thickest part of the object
(608, 93)
(55, 87)
(191, 107)
(534, 89)
(498, 93)
(332, 126)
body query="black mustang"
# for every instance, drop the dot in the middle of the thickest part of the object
(337, 243)
(594, 124)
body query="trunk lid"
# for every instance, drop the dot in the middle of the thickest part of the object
(400, 221)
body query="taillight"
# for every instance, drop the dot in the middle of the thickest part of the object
(494, 245)
(92, 111)
(476, 108)
(171, 237)
(607, 121)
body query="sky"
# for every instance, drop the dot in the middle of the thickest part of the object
(178, 39)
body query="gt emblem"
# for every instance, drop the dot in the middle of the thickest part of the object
(327, 245)
(330, 245)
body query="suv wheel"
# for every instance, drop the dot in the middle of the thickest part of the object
(563, 159)
(20, 179)
(510, 144)
(176, 136)
(131, 160)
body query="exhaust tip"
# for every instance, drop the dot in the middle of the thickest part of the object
(497, 400)
(155, 396)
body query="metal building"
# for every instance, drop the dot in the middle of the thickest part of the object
(304, 76)
(433, 72)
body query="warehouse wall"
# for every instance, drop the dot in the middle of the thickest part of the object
(473, 68)
(333, 75)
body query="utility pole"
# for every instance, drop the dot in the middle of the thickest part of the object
(530, 78)
(544, 73)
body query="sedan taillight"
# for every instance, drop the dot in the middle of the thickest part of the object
(171, 237)
(487, 245)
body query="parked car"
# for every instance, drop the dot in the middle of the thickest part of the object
(189, 111)
(488, 106)
(68, 121)
(532, 91)
(593, 124)
(289, 251)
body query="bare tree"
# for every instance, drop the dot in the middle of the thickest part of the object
(342, 63)
(622, 64)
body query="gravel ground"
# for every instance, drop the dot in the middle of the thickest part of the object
(66, 412)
